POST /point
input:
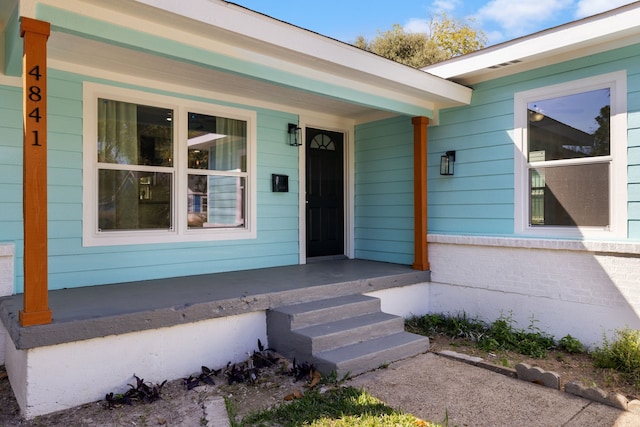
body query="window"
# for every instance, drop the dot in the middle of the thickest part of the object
(161, 169)
(570, 159)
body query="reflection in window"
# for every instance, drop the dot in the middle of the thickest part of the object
(217, 159)
(135, 148)
(322, 141)
(574, 129)
(568, 127)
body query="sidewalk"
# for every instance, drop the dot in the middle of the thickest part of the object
(436, 388)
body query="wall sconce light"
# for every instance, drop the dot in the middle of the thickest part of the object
(446, 163)
(294, 135)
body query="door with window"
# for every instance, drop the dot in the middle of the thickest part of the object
(324, 193)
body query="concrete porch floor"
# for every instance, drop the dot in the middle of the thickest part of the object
(98, 311)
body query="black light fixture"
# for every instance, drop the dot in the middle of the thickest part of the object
(294, 135)
(446, 163)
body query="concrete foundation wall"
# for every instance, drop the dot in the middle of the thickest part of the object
(53, 378)
(407, 301)
(584, 289)
(6, 286)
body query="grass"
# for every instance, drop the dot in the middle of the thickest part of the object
(337, 407)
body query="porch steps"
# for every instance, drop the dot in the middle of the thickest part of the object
(349, 334)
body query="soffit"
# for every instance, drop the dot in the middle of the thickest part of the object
(6, 8)
(70, 53)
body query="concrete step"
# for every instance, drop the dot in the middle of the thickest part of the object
(347, 334)
(371, 354)
(343, 332)
(312, 313)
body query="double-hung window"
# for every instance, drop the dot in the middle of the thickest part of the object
(570, 173)
(162, 169)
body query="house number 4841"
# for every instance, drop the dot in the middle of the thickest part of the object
(35, 96)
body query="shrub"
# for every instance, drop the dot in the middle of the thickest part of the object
(570, 344)
(622, 354)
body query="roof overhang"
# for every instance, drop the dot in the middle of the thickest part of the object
(220, 47)
(616, 28)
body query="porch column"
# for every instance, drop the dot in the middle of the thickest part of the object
(421, 258)
(34, 183)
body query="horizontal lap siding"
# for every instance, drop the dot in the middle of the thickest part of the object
(633, 155)
(478, 199)
(384, 191)
(11, 137)
(71, 265)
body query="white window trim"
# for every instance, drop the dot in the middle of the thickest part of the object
(180, 231)
(617, 82)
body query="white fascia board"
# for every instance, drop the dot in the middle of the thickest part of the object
(304, 44)
(589, 32)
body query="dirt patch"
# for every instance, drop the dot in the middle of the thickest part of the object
(179, 406)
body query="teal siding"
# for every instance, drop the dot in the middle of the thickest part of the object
(71, 265)
(478, 199)
(11, 167)
(384, 191)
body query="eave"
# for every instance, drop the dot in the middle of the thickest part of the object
(613, 29)
(229, 49)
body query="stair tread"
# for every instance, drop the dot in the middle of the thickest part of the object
(341, 325)
(369, 347)
(324, 304)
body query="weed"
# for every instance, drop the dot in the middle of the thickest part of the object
(622, 354)
(499, 335)
(570, 344)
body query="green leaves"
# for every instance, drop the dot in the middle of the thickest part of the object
(448, 37)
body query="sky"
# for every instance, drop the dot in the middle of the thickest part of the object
(500, 20)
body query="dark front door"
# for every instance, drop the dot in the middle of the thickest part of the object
(325, 189)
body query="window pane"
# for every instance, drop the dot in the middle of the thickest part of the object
(570, 195)
(217, 143)
(132, 134)
(569, 126)
(216, 201)
(129, 200)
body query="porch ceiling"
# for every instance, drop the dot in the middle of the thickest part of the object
(69, 52)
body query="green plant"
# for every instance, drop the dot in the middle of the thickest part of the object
(570, 344)
(622, 354)
(502, 335)
(456, 326)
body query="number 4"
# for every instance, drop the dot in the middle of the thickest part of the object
(35, 72)
(35, 114)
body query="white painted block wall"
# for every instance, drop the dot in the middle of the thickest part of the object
(54, 378)
(584, 289)
(6, 286)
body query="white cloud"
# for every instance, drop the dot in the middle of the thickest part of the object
(593, 7)
(448, 6)
(517, 18)
(417, 25)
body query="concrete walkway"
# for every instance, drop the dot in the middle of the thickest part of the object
(436, 388)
